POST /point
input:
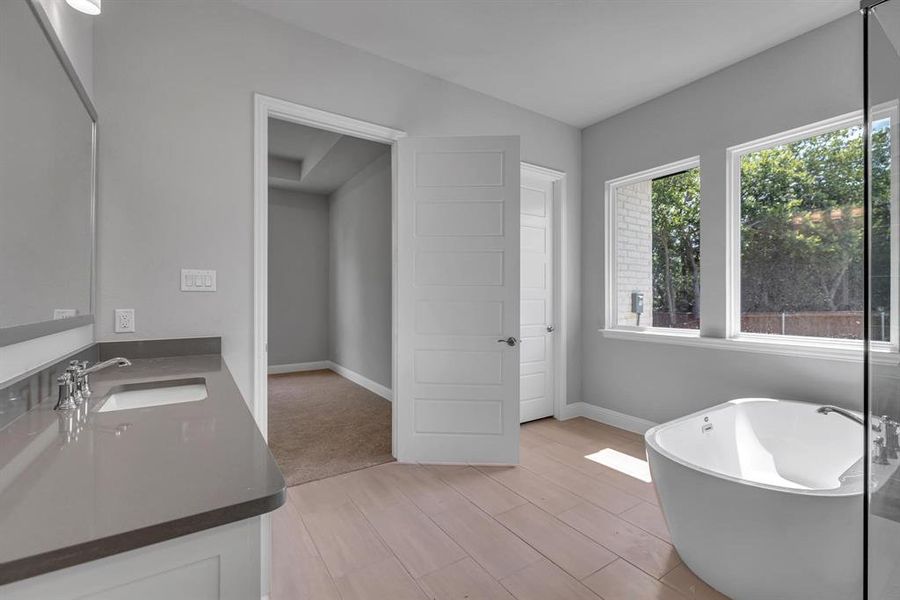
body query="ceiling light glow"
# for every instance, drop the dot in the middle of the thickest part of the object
(88, 7)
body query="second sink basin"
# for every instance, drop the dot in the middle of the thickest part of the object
(155, 393)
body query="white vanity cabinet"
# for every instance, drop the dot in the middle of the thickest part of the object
(222, 563)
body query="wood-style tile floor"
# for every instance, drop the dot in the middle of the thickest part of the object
(557, 527)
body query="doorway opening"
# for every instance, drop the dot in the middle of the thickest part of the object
(455, 288)
(323, 290)
(329, 301)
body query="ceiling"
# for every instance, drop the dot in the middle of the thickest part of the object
(576, 61)
(888, 19)
(316, 161)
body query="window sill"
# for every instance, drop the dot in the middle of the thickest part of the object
(847, 351)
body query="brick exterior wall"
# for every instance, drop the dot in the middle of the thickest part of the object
(634, 250)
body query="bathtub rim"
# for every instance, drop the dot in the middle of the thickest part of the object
(850, 488)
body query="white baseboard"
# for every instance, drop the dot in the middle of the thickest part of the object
(361, 380)
(607, 416)
(372, 386)
(298, 367)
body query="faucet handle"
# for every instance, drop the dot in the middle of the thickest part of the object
(879, 451)
(81, 380)
(65, 401)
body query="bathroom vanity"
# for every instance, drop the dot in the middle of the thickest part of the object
(156, 486)
(158, 496)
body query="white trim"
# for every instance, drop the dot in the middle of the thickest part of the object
(265, 555)
(794, 346)
(609, 233)
(545, 172)
(25, 357)
(733, 156)
(850, 119)
(608, 416)
(321, 119)
(265, 107)
(361, 380)
(560, 281)
(299, 367)
(891, 110)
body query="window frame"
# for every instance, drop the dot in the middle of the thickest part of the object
(611, 237)
(882, 353)
(734, 154)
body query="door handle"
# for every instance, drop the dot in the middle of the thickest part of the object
(510, 341)
(550, 328)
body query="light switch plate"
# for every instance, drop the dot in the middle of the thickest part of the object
(198, 280)
(124, 320)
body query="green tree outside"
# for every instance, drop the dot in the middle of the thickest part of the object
(801, 231)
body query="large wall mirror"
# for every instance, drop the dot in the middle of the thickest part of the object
(47, 181)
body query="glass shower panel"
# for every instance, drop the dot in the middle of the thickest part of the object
(883, 384)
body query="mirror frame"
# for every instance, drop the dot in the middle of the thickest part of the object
(29, 331)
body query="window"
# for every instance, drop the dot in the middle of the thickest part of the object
(656, 258)
(801, 231)
(794, 233)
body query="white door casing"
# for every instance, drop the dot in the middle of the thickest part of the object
(457, 387)
(537, 309)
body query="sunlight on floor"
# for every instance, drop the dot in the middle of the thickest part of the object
(634, 467)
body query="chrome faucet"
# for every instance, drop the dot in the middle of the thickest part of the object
(74, 387)
(81, 375)
(884, 446)
(843, 412)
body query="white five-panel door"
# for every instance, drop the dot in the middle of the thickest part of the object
(456, 387)
(536, 372)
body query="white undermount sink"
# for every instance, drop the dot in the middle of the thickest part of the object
(156, 393)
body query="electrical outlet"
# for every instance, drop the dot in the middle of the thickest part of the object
(124, 320)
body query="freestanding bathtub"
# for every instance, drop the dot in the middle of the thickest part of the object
(763, 498)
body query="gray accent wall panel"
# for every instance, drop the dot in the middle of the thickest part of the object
(298, 277)
(360, 322)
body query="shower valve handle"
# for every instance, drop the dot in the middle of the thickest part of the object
(879, 451)
(891, 436)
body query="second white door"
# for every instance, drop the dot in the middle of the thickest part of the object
(536, 333)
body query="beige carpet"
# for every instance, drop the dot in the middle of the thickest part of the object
(321, 424)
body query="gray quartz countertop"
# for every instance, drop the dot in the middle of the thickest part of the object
(99, 483)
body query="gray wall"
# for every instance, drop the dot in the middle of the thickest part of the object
(361, 273)
(175, 94)
(810, 78)
(298, 277)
